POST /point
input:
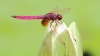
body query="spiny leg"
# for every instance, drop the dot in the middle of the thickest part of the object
(51, 23)
(58, 22)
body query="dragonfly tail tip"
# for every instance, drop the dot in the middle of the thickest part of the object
(13, 16)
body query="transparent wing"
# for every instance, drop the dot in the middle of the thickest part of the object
(57, 11)
(62, 12)
(54, 9)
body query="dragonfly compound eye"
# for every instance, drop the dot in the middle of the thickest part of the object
(59, 17)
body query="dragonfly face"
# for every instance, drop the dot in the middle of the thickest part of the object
(59, 17)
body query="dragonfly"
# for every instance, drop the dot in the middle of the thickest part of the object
(55, 15)
(59, 47)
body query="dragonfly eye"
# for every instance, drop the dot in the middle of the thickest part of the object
(59, 17)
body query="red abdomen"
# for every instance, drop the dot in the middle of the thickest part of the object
(28, 17)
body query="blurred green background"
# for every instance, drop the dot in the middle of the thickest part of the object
(23, 38)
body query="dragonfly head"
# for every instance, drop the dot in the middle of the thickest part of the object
(59, 17)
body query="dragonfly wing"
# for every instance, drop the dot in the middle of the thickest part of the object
(62, 12)
(45, 22)
(54, 9)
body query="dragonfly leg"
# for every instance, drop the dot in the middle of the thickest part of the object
(58, 22)
(51, 23)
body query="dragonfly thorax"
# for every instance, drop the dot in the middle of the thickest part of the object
(52, 16)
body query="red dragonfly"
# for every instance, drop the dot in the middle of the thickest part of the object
(53, 15)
